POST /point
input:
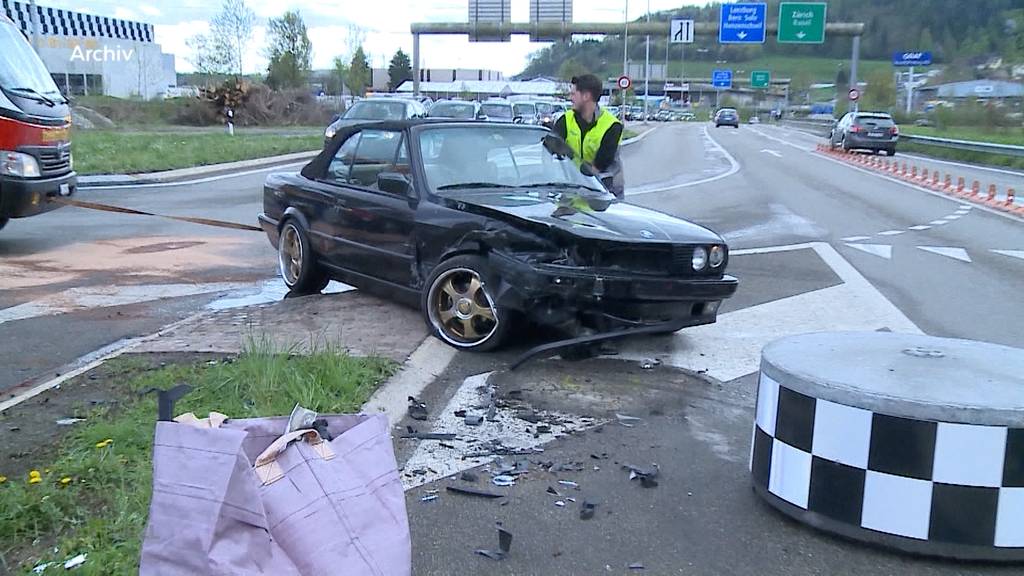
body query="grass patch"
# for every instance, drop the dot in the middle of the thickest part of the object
(998, 135)
(966, 156)
(627, 134)
(93, 496)
(115, 152)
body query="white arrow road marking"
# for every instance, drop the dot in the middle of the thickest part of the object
(880, 250)
(949, 252)
(892, 233)
(1011, 253)
(919, 228)
(731, 347)
(856, 238)
(772, 152)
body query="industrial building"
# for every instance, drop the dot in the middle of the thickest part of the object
(91, 54)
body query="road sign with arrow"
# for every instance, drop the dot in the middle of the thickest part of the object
(681, 31)
(802, 22)
(742, 23)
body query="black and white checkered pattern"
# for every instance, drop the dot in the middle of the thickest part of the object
(939, 484)
(56, 22)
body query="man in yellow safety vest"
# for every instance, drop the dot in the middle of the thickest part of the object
(593, 133)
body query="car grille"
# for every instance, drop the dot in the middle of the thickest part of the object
(654, 260)
(53, 160)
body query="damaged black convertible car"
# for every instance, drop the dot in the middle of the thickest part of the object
(483, 225)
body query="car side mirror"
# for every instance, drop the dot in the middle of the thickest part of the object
(482, 116)
(517, 120)
(394, 183)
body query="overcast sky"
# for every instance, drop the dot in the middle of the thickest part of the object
(386, 25)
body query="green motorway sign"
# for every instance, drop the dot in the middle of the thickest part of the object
(760, 78)
(802, 22)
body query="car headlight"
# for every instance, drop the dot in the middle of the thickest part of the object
(700, 258)
(331, 131)
(717, 256)
(18, 164)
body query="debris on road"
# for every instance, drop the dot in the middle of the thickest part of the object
(504, 546)
(553, 492)
(587, 510)
(569, 484)
(543, 429)
(468, 476)
(417, 409)
(650, 363)
(472, 420)
(504, 481)
(42, 567)
(646, 475)
(469, 491)
(428, 436)
(429, 498)
(460, 413)
(627, 421)
(636, 566)
(69, 421)
(560, 503)
(75, 562)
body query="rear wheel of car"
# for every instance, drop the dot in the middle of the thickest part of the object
(459, 305)
(845, 145)
(890, 152)
(3, 222)
(297, 262)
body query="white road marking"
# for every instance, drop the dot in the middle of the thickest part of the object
(1011, 253)
(734, 167)
(938, 222)
(731, 348)
(919, 228)
(856, 238)
(965, 207)
(953, 217)
(949, 252)
(77, 299)
(507, 430)
(772, 152)
(425, 364)
(892, 233)
(880, 250)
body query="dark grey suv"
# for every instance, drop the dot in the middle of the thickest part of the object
(873, 131)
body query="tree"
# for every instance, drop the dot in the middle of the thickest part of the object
(571, 68)
(209, 55)
(881, 91)
(399, 71)
(290, 52)
(339, 72)
(358, 73)
(234, 27)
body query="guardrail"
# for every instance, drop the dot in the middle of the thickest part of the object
(823, 128)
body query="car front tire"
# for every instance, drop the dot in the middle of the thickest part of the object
(296, 261)
(459, 305)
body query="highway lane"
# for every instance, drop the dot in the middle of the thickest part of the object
(930, 255)
(1003, 178)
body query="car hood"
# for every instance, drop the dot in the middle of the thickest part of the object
(594, 216)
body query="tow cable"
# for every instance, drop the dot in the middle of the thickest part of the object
(120, 210)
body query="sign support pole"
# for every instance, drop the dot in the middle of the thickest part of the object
(853, 68)
(416, 65)
(910, 90)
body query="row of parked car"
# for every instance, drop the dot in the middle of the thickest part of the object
(636, 114)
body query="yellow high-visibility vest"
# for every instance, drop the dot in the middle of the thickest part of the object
(586, 148)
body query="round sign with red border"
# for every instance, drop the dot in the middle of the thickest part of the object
(854, 94)
(624, 82)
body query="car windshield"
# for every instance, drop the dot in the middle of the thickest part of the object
(368, 110)
(21, 70)
(525, 110)
(497, 110)
(452, 110)
(457, 160)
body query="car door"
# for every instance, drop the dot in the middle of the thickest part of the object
(377, 225)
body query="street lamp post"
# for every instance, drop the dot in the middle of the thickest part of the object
(647, 65)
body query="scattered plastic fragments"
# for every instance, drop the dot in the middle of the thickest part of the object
(636, 566)
(428, 436)
(417, 409)
(468, 476)
(587, 510)
(552, 491)
(504, 546)
(472, 420)
(627, 421)
(646, 475)
(569, 483)
(42, 567)
(75, 562)
(69, 421)
(650, 363)
(504, 481)
(429, 498)
(469, 491)
(560, 504)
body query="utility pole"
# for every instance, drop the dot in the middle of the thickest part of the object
(910, 90)
(853, 68)
(647, 65)
(625, 45)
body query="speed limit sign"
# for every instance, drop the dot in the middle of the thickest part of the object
(624, 82)
(854, 94)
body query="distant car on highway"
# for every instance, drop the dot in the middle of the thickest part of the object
(456, 110)
(481, 225)
(549, 113)
(754, 120)
(376, 110)
(727, 117)
(874, 131)
(663, 116)
(526, 112)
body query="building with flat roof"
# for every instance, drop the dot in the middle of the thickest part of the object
(91, 54)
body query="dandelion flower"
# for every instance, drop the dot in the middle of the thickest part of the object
(65, 480)
(34, 477)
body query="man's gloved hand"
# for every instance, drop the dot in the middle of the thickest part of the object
(558, 147)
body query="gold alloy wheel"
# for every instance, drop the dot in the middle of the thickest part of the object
(290, 255)
(461, 310)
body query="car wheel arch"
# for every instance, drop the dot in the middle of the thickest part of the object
(293, 213)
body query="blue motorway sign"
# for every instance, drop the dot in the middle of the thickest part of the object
(742, 23)
(721, 79)
(912, 59)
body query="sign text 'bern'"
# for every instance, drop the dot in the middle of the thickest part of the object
(742, 23)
